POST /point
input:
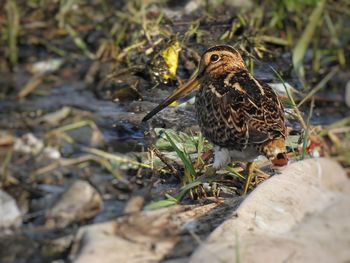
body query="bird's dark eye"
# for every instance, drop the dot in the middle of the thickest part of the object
(214, 58)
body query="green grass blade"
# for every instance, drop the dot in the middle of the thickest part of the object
(12, 29)
(200, 148)
(305, 39)
(79, 42)
(292, 101)
(182, 155)
(307, 130)
(161, 203)
(196, 183)
(235, 173)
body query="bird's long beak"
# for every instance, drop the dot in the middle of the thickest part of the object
(182, 91)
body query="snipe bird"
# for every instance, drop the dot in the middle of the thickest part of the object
(240, 115)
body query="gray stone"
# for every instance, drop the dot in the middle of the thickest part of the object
(79, 202)
(10, 215)
(148, 236)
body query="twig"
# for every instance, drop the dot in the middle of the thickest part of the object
(114, 157)
(164, 160)
(31, 85)
(127, 49)
(64, 162)
(3, 166)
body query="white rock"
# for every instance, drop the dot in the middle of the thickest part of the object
(52, 153)
(280, 88)
(347, 94)
(28, 143)
(46, 66)
(10, 215)
(301, 215)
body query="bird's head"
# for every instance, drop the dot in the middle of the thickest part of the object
(217, 60)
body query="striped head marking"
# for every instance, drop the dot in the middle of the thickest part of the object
(219, 60)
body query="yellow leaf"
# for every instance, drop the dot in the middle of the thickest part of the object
(171, 58)
(174, 104)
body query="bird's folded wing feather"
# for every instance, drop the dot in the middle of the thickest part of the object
(250, 108)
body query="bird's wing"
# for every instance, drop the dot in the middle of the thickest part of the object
(250, 109)
(268, 122)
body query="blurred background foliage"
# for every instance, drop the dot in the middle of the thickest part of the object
(120, 31)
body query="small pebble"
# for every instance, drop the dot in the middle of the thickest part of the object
(79, 202)
(10, 215)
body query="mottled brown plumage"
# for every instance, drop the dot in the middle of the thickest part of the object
(240, 115)
(235, 110)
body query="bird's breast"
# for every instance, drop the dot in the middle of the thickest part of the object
(215, 124)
